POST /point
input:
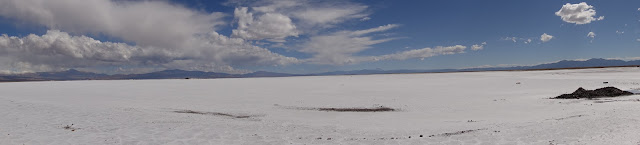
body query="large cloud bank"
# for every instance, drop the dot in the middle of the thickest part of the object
(161, 34)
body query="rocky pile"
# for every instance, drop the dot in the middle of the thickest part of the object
(597, 93)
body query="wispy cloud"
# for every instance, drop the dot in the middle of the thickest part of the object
(338, 48)
(421, 53)
(308, 16)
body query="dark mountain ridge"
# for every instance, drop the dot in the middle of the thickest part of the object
(73, 74)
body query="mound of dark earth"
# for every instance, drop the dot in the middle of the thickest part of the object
(597, 93)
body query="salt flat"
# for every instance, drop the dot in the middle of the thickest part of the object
(445, 108)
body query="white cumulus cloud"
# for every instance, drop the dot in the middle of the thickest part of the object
(580, 13)
(476, 47)
(545, 37)
(271, 26)
(58, 50)
(591, 35)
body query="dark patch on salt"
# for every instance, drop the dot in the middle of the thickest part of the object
(377, 109)
(457, 132)
(211, 113)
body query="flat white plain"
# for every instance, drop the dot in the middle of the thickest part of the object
(445, 108)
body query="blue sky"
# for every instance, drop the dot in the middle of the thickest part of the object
(240, 36)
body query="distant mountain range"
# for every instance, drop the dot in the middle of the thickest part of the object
(564, 64)
(73, 74)
(594, 62)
